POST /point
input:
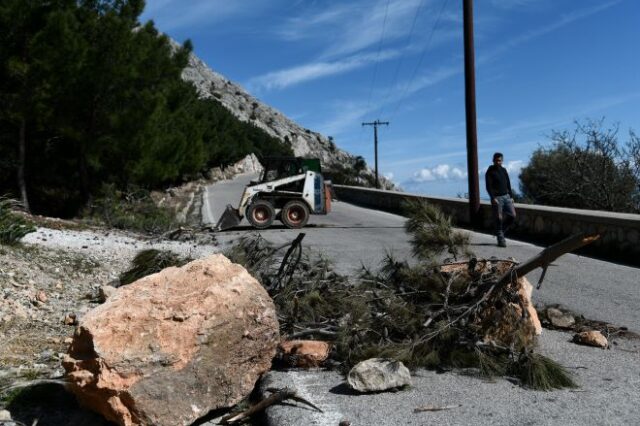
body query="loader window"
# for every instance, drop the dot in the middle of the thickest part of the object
(282, 168)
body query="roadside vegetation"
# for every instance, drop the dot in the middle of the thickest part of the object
(92, 99)
(129, 210)
(586, 168)
(12, 226)
(424, 314)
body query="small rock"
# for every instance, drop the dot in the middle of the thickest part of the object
(70, 319)
(560, 319)
(5, 416)
(591, 338)
(105, 292)
(41, 296)
(378, 374)
(304, 353)
(68, 340)
(46, 355)
(344, 423)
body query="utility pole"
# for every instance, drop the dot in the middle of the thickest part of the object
(470, 107)
(375, 125)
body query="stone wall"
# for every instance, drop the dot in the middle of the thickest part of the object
(620, 232)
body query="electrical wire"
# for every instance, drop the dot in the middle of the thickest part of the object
(401, 59)
(375, 68)
(424, 51)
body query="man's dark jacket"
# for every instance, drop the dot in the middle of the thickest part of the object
(497, 180)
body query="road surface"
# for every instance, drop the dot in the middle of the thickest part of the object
(352, 236)
(609, 380)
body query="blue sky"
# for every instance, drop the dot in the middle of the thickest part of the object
(330, 65)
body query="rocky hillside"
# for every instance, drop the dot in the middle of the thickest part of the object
(248, 108)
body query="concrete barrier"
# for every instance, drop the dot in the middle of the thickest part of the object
(620, 232)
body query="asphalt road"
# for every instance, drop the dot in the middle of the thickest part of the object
(352, 236)
(609, 379)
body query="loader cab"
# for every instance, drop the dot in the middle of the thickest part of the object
(282, 167)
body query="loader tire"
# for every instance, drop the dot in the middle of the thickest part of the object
(261, 214)
(295, 214)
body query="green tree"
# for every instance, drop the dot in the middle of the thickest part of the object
(585, 169)
(90, 98)
(22, 22)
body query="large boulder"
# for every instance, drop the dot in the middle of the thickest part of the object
(172, 346)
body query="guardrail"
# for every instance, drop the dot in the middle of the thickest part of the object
(620, 232)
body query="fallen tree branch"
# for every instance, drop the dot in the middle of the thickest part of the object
(325, 332)
(277, 396)
(548, 255)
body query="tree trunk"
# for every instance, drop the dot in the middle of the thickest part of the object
(22, 184)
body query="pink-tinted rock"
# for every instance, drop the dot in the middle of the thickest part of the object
(172, 346)
(591, 338)
(304, 353)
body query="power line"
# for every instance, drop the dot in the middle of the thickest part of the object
(400, 61)
(424, 51)
(375, 68)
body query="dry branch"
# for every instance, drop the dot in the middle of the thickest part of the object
(277, 396)
(546, 256)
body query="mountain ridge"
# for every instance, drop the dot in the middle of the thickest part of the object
(248, 108)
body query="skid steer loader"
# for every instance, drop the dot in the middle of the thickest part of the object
(289, 188)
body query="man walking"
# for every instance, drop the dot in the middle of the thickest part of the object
(499, 190)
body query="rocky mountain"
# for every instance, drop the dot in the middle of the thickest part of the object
(248, 108)
(304, 142)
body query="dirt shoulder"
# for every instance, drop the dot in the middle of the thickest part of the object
(55, 275)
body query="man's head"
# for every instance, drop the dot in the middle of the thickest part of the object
(497, 159)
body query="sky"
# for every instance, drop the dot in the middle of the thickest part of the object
(331, 65)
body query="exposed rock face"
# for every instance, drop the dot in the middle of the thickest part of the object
(304, 142)
(378, 374)
(172, 346)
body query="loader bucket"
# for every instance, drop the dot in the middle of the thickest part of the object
(229, 219)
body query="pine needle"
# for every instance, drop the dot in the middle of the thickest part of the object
(541, 373)
(149, 262)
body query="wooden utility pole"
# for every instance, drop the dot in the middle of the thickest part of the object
(375, 125)
(470, 107)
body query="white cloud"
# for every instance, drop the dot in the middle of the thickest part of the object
(311, 71)
(436, 76)
(541, 31)
(512, 4)
(439, 172)
(514, 167)
(449, 172)
(352, 26)
(347, 115)
(176, 14)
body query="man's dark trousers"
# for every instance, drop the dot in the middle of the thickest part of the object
(504, 214)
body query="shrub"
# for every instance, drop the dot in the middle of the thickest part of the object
(133, 210)
(149, 262)
(12, 226)
(585, 169)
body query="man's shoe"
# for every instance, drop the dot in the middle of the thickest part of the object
(502, 242)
